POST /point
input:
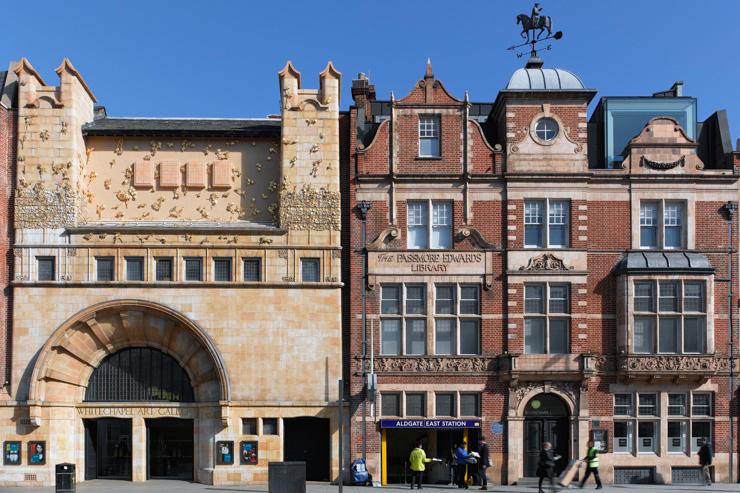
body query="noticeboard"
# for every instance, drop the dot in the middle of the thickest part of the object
(249, 453)
(224, 453)
(37, 453)
(11, 453)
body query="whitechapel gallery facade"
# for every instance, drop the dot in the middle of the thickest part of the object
(177, 304)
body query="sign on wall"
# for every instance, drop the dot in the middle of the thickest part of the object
(450, 263)
(37, 453)
(601, 440)
(430, 423)
(249, 453)
(224, 453)
(11, 453)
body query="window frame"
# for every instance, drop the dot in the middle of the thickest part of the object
(53, 262)
(99, 259)
(429, 225)
(423, 397)
(245, 261)
(435, 134)
(458, 317)
(545, 225)
(130, 260)
(547, 316)
(230, 261)
(384, 396)
(166, 260)
(185, 261)
(455, 401)
(661, 224)
(305, 261)
(402, 316)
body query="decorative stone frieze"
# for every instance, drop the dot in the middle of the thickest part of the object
(433, 364)
(662, 165)
(310, 209)
(675, 363)
(547, 262)
(40, 208)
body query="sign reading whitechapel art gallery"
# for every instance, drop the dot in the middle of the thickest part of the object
(400, 263)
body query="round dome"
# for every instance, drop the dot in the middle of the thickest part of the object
(544, 79)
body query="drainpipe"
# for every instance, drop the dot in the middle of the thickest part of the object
(363, 207)
(730, 208)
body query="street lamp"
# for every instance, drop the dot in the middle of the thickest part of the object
(363, 207)
(730, 208)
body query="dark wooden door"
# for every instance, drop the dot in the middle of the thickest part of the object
(91, 449)
(532, 445)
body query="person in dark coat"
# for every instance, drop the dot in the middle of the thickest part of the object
(546, 466)
(705, 460)
(484, 462)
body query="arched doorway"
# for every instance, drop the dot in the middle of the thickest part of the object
(545, 420)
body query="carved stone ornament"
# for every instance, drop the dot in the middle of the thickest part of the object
(433, 364)
(388, 234)
(673, 364)
(571, 389)
(661, 165)
(310, 209)
(545, 262)
(475, 235)
(283, 253)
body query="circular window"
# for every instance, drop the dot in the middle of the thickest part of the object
(546, 129)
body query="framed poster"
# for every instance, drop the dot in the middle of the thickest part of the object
(224, 453)
(601, 440)
(36, 453)
(11, 453)
(248, 453)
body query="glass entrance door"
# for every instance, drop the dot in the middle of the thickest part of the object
(170, 448)
(108, 449)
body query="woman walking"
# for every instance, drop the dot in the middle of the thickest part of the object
(546, 466)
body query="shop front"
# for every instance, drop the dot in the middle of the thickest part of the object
(438, 436)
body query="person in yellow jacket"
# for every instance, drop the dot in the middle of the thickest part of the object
(592, 464)
(417, 459)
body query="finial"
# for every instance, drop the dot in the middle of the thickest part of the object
(429, 74)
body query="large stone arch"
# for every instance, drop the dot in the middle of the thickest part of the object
(77, 347)
(568, 394)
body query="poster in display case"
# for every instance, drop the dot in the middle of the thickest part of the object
(248, 451)
(224, 453)
(11, 453)
(37, 453)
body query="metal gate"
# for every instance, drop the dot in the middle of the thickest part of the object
(634, 475)
(686, 475)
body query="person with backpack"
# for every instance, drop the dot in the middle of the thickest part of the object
(592, 465)
(417, 459)
(705, 460)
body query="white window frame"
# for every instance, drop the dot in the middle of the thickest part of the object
(432, 222)
(662, 222)
(404, 317)
(547, 315)
(430, 128)
(546, 222)
(457, 317)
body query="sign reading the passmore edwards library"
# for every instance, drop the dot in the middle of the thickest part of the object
(400, 263)
(430, 423)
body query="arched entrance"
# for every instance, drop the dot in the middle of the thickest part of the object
(545, 420)
(140, 377)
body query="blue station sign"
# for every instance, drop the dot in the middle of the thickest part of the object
(430, 423)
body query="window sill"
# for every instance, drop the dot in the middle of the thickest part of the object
(428, 158)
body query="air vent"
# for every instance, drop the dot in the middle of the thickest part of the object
(29, 477)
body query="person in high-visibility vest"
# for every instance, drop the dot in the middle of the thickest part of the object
(592, 464)
(417, 459)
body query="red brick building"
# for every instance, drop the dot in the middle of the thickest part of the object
(533, 275)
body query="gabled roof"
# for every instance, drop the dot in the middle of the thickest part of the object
(248, 127)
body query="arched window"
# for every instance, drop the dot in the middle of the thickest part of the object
(139, 374)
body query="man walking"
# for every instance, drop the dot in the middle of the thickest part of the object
(461, 457)
(484, 463)
(705, 460)
(592, 465)
(417, 459)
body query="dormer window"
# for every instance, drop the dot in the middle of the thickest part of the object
(546, 129)
(429, 136)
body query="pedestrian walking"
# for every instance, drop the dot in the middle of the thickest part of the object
(452, 463)
(705, 460)
(546, 466)
(417, 459)
(461, 464)
(592, 465)
(484, 462)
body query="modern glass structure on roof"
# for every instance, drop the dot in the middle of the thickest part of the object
(617, 120)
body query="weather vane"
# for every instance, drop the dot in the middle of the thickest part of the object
(535, 29)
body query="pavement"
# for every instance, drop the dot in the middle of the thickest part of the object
(161, 486)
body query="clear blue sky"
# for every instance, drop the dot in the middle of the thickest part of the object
(220, 58)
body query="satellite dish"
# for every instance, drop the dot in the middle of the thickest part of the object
(558, 35)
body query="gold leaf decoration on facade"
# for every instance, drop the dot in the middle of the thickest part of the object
(141, 206)
(44, 135)
(187, 238)
(203, 212)
(119, 149)
(117, 238)
(99, 210)
(175, 212)
(225, 195)
(293, 161)
(107, 183)
(265, 241)
(314, 149)
(157, 204)
(289, 142)
(119, 214)
(87, 237)
(310, 122)
(212, 198)
(310, 209)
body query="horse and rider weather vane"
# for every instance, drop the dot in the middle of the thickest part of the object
(534, 28)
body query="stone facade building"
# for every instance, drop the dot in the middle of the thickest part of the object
(533, 275)
(177, 294)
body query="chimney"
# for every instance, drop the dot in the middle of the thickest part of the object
(363, 93)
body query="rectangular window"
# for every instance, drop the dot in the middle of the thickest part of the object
(668, 335)
(662, 224)
(390, 299)
(672, 224)
(469, 337)
(429, 136)
(249, 426)
(45, 268)
(444, 404)
(390, 336)
(222, 269)
(416, 336)
(416, 300)
(649, 225)
(644, 337)
(469, 404)
(163, 266)
(623, 405)
(310, 271)
(699, 430)
(269, 426)
(668, 298)
(693, 296)
(420, 233)
(694, 334)
(677, 434)
(105, 268)
(445, 299)
(252, 269)
(623, 436)
(644, 296)
(415, 405)
(677, 405)
(552, 232)
(193, 269)
(701, 404)
(470, 300)
(544, 332)
(390, 404)
(134, 268)
(647, 436)
(647, 404)
(444, 336)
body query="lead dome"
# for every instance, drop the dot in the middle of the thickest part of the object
(544, 78)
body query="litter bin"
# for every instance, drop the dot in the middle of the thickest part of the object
(286, 477)
(65, 478)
